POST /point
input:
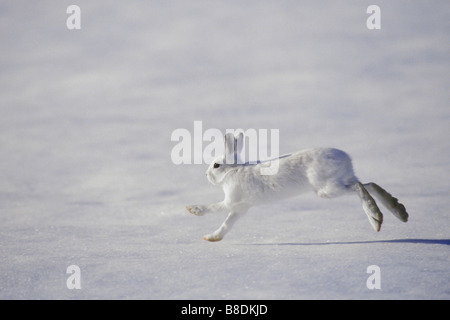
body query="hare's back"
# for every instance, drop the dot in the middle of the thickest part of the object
(323, 162)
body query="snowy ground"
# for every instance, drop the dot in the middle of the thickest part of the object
(86, 176)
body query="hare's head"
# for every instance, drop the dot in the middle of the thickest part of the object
(226, 164)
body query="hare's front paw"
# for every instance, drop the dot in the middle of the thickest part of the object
(213, 237)
(198, 210)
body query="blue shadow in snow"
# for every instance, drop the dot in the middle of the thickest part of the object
(417, 241)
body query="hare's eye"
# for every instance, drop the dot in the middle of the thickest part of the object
(216, 165)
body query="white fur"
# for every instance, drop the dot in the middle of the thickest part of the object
(326, 171)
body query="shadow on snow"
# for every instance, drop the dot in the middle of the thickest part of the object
(419, 241)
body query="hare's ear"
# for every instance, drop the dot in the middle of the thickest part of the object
(230, 148)
(239, 137)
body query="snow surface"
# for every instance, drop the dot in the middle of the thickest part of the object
(86, 176)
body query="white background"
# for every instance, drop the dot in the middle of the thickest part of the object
(86, 118)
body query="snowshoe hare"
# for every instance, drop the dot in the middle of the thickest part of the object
(326, 171)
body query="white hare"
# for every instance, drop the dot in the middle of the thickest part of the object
(326, 171)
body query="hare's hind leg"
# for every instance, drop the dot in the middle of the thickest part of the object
(332, 189)
(370, 207)
(387, 200)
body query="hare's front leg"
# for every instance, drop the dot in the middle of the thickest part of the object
(200, 209)
(225, 227)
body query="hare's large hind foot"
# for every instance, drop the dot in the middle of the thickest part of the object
(370, 207)
(387, 200)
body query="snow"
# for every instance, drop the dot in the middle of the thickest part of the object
(86, 176)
